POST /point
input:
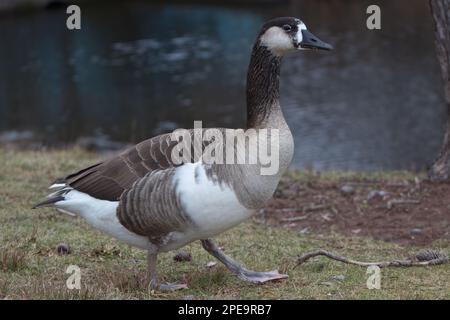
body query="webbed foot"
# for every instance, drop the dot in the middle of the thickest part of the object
(241, 272)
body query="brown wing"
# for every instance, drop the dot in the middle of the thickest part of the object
(107, 180)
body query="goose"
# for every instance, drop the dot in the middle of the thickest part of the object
(146, 199)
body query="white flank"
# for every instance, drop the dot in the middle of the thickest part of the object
(213, 208)
(100, 214)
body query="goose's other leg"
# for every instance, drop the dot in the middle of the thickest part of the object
(152, 277)
(241, 272)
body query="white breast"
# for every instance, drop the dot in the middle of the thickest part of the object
(212, 207)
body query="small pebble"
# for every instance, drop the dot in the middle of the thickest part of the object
(304, 231)
(376, 194)
(182, 256)
(63, 249)
(211, 264)
(347, 190)
(416, 231)
(339, 277)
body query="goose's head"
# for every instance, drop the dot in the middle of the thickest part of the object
(288, 34)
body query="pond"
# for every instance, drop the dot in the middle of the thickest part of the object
(137, 69)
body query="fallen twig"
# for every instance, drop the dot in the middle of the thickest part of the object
(289, 210)
(295, 219)
(306, 209)
(362, 184)
(316, 207)
(395, 202)
(424, 258)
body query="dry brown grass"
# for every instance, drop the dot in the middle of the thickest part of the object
(12, 259)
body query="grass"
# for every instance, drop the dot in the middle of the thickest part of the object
(31, 268)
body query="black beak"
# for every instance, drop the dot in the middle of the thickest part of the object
(310, 41)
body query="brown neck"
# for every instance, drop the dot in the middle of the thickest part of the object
(263, 90)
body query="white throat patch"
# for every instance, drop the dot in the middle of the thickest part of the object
(277, 41)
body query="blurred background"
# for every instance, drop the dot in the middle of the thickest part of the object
(140, 68)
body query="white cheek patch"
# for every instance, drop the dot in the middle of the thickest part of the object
(277, 41)
(299, 37)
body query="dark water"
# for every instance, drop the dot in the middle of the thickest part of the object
(137, 69)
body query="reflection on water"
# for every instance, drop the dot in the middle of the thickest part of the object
(136, 70)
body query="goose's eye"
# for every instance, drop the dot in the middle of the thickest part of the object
(287, 27)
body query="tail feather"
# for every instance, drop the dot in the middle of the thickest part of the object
(48, 202)
(53, 198)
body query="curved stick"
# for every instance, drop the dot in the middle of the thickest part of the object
(426, 258)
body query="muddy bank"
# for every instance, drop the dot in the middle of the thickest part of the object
(401, 210)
